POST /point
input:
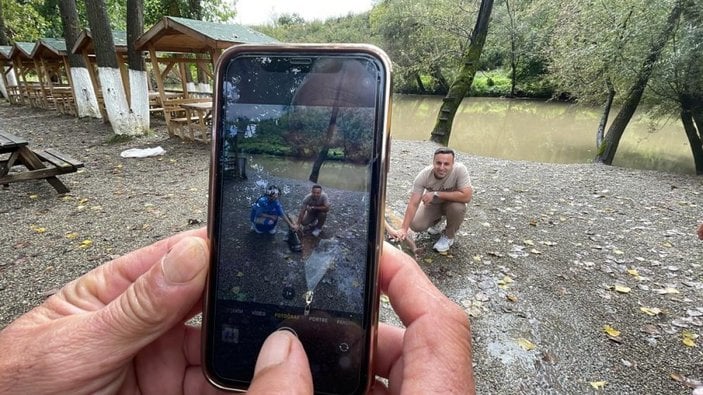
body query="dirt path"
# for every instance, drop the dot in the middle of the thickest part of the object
(548, 256)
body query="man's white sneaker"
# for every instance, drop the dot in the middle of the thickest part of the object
(437, 228)
(316, 232)
(443, 244)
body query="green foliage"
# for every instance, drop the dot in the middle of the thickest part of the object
(23, 20)
(347, 29)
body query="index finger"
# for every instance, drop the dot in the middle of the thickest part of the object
(411, 293)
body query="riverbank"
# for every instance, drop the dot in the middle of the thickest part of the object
(548, 256)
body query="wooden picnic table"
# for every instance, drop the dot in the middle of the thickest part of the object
(18, 153)
(202, 111)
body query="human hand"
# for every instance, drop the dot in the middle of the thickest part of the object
(433, 354)
(700, 231)
(120, 329)
(428, 197)
(401, 234)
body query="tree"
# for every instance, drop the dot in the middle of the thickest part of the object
(678, 84)
(607, 150)
(461, 85)
(123, 119)
(3, 35)
(86, 101)
(138, 86)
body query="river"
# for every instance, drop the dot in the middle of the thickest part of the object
(543, 132)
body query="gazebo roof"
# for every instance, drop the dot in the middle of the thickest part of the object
(5, 51)
(85, 41)
(22, 49)
(50, 48)
(173, 34)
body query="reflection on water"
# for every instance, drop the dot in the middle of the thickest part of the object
(542, 132)
(334, 174)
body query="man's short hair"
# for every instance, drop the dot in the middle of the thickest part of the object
(316, 186)
(272, 190)
(444, 150)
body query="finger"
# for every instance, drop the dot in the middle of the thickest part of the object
(400, 273)
(282, 367)
(437, 341)
(158, 300)
(379, 388)
(106, 282)
(389, 348)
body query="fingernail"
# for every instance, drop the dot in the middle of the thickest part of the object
(185, 260)
(275, 350)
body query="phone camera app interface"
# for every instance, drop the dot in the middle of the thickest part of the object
(296, 150)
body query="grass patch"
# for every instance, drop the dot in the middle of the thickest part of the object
(119, 139)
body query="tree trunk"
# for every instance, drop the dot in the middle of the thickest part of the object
(122, 119)
(138, 84)
(83, 92)
(322, 155)
(513, 50)
(692, 120)
(439, 77)
(606, 151)
(420, 85)
(3, 41)
(460, 87)
(3, 35)
(606, 112)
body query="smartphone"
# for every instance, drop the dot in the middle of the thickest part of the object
(297, 186)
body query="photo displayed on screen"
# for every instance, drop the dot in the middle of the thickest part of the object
(297, 148)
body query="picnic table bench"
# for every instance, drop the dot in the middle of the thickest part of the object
(46, 163)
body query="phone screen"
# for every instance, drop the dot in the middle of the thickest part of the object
(297, 186)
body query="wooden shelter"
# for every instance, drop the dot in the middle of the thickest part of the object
(55, 74)
(189, 42)
(27, 73)
(85, 47)
(6, 67)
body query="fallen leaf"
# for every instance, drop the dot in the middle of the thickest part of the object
(71, 235)
(651, 311)
(650, 329)
(677, 377)
(34, 197)
(633, 272)
(428, 260)
(504, 282)
(688, 338)
(622, 289)
(385, 299)
(511, 298)
(667, 291)
(611, 331)
(598, 384)
(38, 229)
(526, 344)
(85, 244)
(529, 242)
(535, 251)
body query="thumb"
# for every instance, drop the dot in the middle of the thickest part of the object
(282, 367)
(160, 298)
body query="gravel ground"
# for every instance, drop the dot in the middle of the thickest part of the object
(549, 254)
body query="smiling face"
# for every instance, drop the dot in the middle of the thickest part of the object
(316, 192)
(442, 165)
